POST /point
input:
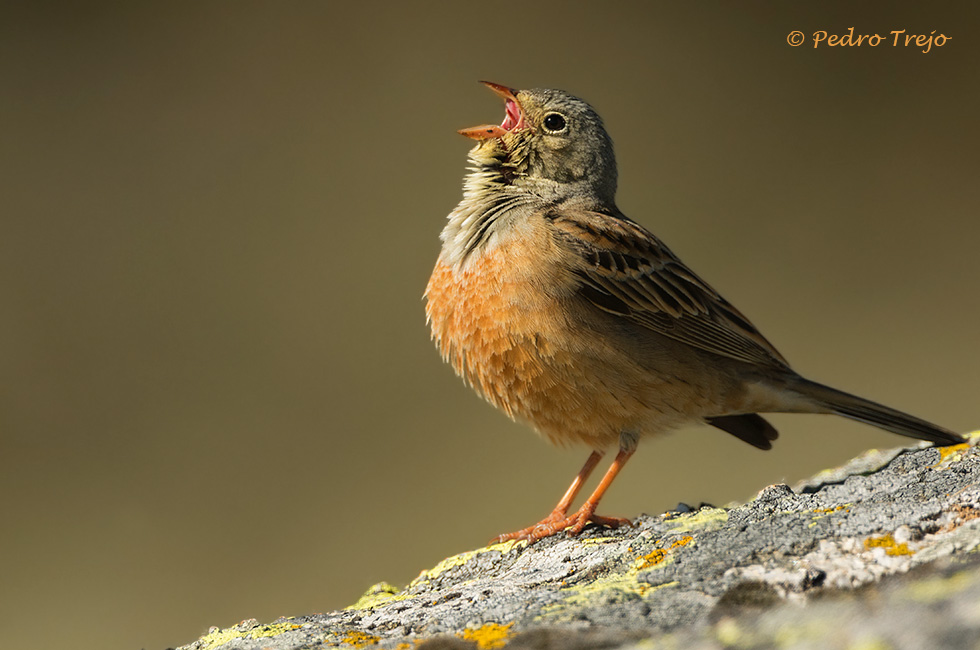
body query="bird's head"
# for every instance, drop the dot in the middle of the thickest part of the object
(550, 143)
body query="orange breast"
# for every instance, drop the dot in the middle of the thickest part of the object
(507, 333)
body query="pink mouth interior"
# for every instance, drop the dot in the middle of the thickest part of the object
(514, 116)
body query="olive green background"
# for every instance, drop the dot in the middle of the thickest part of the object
(218, 399)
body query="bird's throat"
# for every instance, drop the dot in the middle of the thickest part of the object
(489, 198)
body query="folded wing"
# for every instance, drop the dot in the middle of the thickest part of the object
(625, 270)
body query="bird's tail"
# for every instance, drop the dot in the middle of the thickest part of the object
(868, 412)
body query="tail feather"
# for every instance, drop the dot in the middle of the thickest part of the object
(750, 427)
(878, 415)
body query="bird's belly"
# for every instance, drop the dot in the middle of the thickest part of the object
(520, 345)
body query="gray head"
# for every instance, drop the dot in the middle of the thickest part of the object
(550, 143)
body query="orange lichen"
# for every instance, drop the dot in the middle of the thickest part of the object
(360, 639)
(489, 636)
(888, 543)
(954, 452)
(659, 555)
(653, 559)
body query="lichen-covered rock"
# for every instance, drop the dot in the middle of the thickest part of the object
(792, 568)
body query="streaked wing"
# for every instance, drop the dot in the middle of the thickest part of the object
(625, 270)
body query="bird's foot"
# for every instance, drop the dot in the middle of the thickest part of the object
(558, 521)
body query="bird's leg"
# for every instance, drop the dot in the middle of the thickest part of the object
(573, 489)
(558, 521)
(586, 513)
(557, 516)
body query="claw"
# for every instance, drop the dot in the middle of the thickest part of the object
(557, 521)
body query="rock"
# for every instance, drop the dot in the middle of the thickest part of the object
(879, 552)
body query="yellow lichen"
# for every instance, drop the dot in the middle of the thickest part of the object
(704, 519)
(461, 559)
(625, 583)
(888, 543)
(616, 585)
(595, 541)
(240, 631)
(489, 636)
(383, 593)
(378, 594)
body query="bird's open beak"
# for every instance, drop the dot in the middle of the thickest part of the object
(513, 120)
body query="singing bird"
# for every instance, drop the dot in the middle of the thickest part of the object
(570, 316)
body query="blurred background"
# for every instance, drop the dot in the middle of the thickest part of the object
(218, 397)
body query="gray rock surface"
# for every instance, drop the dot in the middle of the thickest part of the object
(881, 552)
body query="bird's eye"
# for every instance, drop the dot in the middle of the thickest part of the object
(554, 122)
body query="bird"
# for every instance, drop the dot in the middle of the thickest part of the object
(571, 317)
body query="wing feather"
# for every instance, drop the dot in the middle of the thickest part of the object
(625, 270)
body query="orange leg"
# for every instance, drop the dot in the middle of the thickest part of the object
(557, 521)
